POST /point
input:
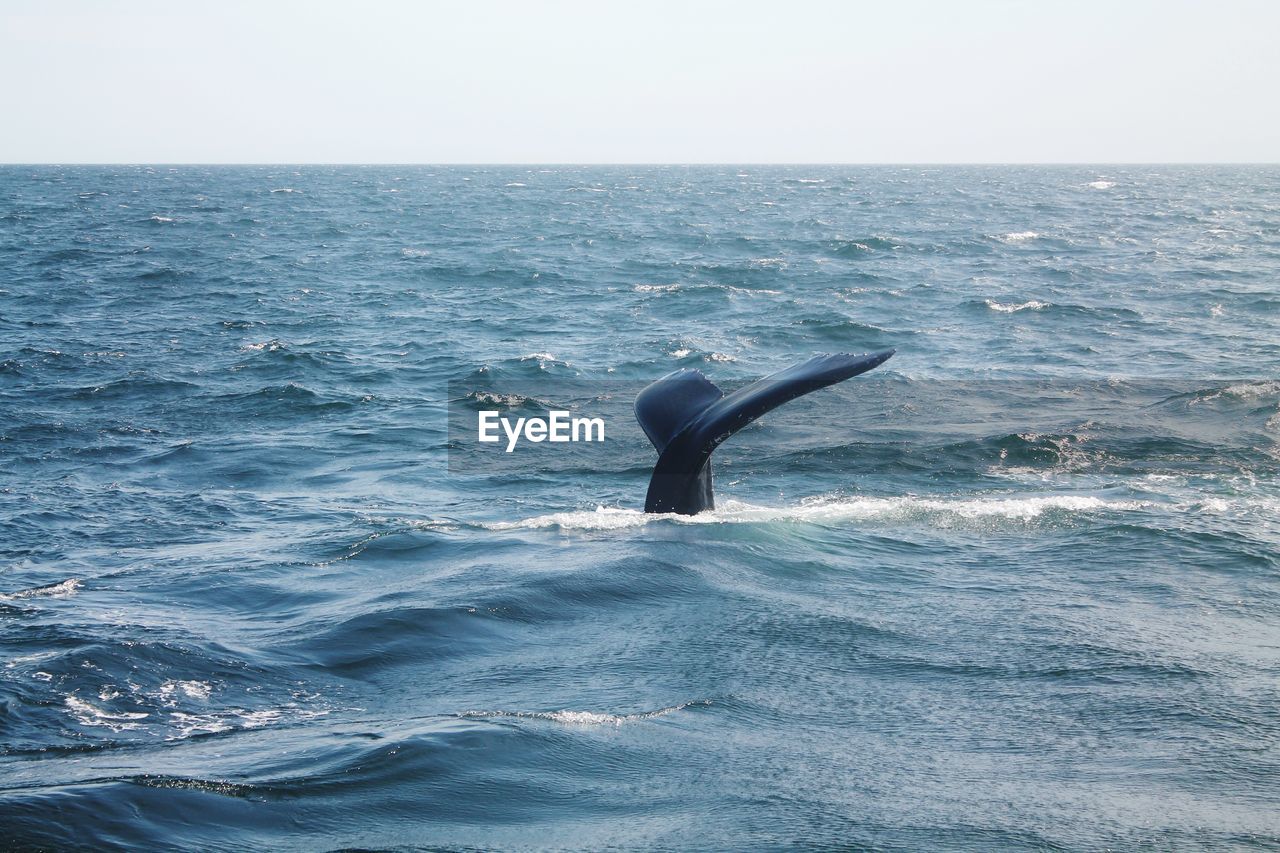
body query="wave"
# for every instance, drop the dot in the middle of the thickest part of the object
(848, 334)
(1014, 307)
(704, 287)
(144, 387)
(866, 245)
(682, 350)
(545, 360)
(235, 719)
(179, 725)
(1261, 389)
(533, 365)
(833, 511)
(273, 345)
(506, 401)
(53, 590)
(586, 718)
(1057, 308)
(289, 398)
(87, 714)
(1018, 237)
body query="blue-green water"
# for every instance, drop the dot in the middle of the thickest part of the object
(247, 602)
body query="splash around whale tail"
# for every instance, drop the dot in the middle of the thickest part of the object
(687, 417)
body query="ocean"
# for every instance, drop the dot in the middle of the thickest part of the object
(1018, 588)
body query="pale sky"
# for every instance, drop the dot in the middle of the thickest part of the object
(789, 81)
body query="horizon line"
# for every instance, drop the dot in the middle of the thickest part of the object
(673, 163)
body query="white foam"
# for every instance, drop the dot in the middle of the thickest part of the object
(751, 291)
(1011, 307)
(26, 659)
(91, 715)
(1254, 390)
(272, 345)
(832, 511)
(586, 718)
(53, 590)
(656, 288)
(1102, 185)
(1018, 237)
(158, 218)
(191, 689)
(410, 252)
(286, 190)
(1242, 391)
(235, 718)
(544, 360)
(198, 724)
(492, 399)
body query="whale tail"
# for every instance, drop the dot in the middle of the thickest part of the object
(687, 417)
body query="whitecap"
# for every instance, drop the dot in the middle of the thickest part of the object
(155, 217)
(1253, 390)
(656, 288)
(272, 345)
(586, 718)
(53, 590)
(829, 511)
(286, 190)
(410, 252)
(1018, 236)
(545, 360)
(91, 715)
(1101, 185)
(235, 719)
(748, 291)
(490, 398)
(191, 689)
(1010, 308)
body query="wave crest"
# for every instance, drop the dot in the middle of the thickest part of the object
(831, 511)
(586, 718)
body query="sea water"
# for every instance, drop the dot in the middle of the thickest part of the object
(1018, 588)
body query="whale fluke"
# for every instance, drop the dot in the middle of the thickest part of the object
(686, 417)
